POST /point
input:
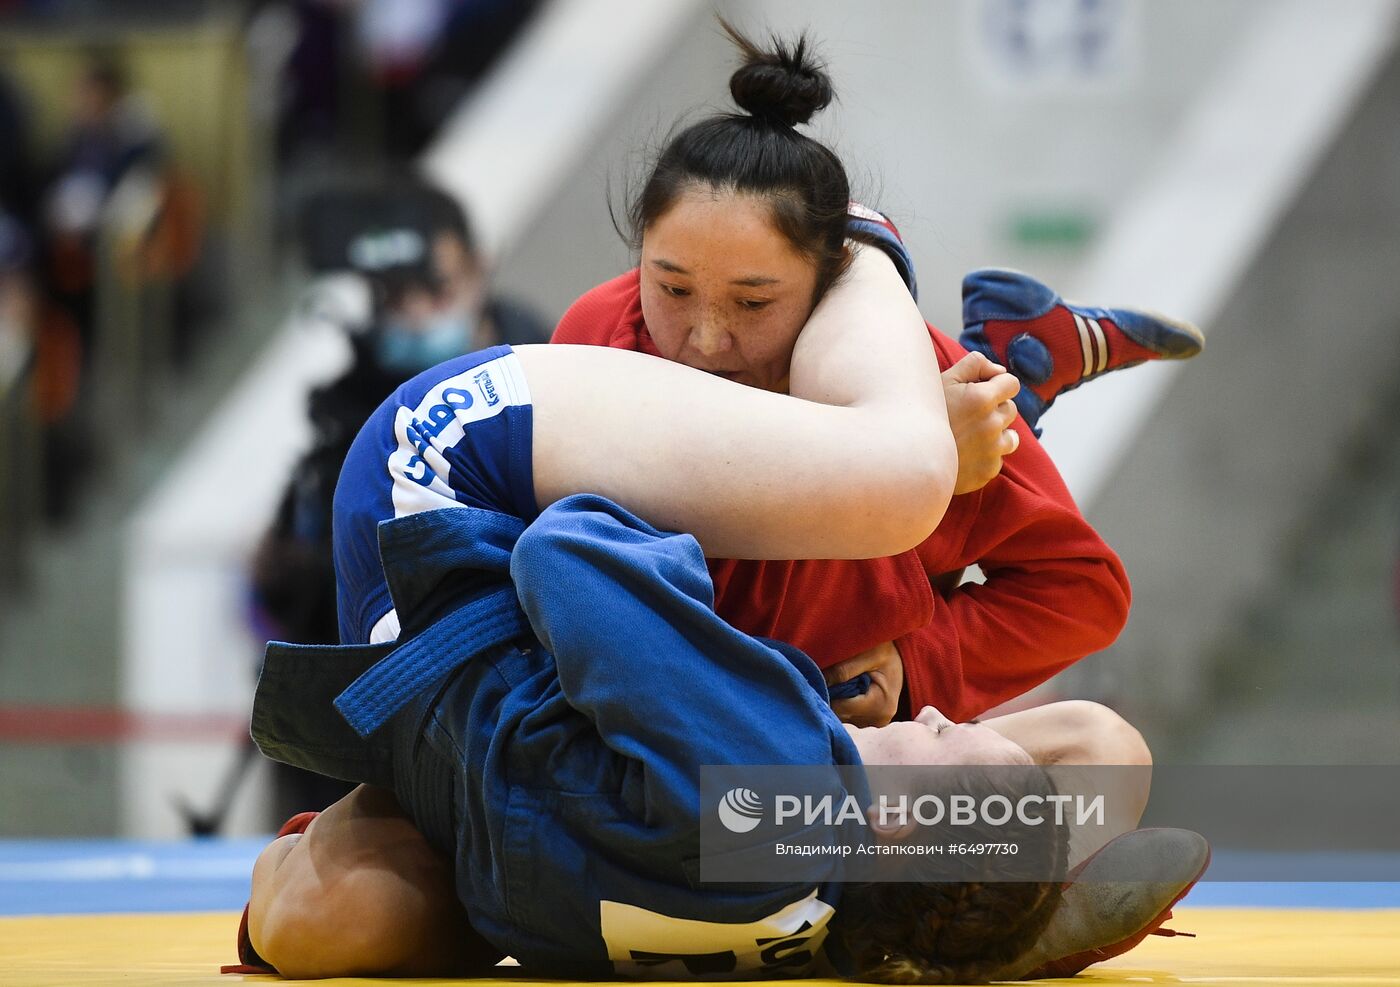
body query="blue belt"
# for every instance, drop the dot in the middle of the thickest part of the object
(445, 645)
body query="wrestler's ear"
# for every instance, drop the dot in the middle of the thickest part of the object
(890, 827)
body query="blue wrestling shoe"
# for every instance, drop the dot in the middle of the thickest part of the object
(1052, 346)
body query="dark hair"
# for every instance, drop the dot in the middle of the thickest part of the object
(337, 223)
(952, 933)
(758, 152)
(966, 931)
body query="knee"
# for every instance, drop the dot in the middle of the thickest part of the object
(1099, 735)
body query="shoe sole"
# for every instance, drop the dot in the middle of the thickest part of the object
(1182, 340)
(1109, 901)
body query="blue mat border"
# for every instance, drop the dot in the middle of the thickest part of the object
(87, 877)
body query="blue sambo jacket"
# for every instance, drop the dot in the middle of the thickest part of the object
(543, 717)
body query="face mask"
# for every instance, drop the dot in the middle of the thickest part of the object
(409, 351)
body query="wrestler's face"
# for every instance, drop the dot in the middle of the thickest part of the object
(931, 738)
(723, 290)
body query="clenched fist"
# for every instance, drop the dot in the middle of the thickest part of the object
(979, 396)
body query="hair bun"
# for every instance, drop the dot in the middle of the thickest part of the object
(785, 85)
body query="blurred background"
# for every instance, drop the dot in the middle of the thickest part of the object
(215, 214)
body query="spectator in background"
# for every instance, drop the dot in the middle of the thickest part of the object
(302, 43)
(17, 296)
(16, 301)
(431, 301)
(16, 196)
(38, 337)
(114, 192)
(112, 132)
(16, 160)
(426, 55)
(376, 77)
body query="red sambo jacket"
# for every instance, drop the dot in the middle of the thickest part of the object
(1054, 591)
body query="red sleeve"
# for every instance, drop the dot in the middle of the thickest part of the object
(829, 609)
(608, 315)
(1054, 591)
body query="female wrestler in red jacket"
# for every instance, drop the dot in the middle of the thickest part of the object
(706, 295)
(1054, 591)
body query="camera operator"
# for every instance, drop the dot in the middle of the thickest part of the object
(431, 301)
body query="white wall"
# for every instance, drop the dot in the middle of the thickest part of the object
(956, 157)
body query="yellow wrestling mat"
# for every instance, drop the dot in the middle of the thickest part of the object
(1234, 946)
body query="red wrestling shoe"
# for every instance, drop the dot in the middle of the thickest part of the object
(248, 959)
(1052, 346)
(1101, 915)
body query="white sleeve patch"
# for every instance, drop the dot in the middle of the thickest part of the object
(419, 472)
(650, 946)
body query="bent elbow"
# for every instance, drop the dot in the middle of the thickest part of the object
(1105, 593)
(920, 489)
(1118, 599)
(938, 476)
